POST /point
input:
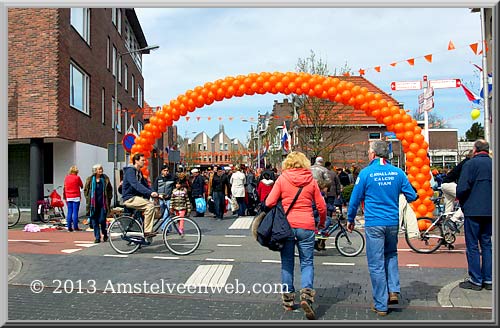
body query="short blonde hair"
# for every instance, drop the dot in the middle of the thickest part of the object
(96, 167)
(296, 160)
(73, 170)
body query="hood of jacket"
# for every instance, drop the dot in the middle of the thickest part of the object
(267, 182)
(298, 177)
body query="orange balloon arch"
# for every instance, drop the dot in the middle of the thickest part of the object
(312, 85)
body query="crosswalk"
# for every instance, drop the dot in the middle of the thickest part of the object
(243, 222)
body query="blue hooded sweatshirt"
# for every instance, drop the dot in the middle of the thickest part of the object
(379, 185)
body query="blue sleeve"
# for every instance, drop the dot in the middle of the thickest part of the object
(357, 195)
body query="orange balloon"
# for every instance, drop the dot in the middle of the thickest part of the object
(422, 208)
(408, 136)
(346, 95)
(413, 170)
(422, 153)
(420, 177)
(398, 127)
(415, 184)
(417, 130)
(373, 104)
(394, 110)
(410, 156)
(414, 147)
(418, 162)
(396, 118)
(360, 99)
(400, 135)
(424, 224)
(418, 139)
(387, 119)
(426, 185)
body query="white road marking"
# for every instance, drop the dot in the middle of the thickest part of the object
(83, 241)
(242, 223)
(116, 255)
(271, 261)
(340, 264)
(86, 245)
(222, 260)
(68, 251)
(32, 240)
(210, 275)
(166, 257)
(228, 245)
(234, 236)
(413, 265)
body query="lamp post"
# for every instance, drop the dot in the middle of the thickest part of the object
(144, 50)
(258, 138)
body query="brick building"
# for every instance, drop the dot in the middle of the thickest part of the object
(62, 65)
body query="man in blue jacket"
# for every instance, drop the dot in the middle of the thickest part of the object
(136, 192)
(474, 192)
(379, 186)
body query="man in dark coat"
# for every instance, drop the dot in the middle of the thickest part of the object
(197, 188)
(474, 192)
(219, 188)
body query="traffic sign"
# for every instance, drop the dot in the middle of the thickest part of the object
(421, 99)
(428, 104)
(441, 84)
(406, 85)
(428, 92)
(128, 141)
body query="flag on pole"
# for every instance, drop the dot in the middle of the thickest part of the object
(470, 95)
(266, 148)
(490, 85)
(285, 140)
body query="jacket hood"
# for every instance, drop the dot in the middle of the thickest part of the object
(298, 177)
(267, 182)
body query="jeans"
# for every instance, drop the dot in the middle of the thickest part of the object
(478, 229)
(242, 206)
(72, 218)
(99, 220)
(305, 244)
(165, 207)
(219, 200)
(382, 257)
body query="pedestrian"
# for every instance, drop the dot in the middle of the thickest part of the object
(164, 184)
(72, 194)
(98, 193)
(180, 204)
(265, 186)
(333, 194)
(237, 181)
(297, 173)
(197, 189)
(474, 192)
(379, 186)
(321, 175)
(219, 189)
(343, 177)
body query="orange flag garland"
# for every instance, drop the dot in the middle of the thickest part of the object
(428, 58)
(377, 68)
(473, 46)
(451, 46)
(411, 61)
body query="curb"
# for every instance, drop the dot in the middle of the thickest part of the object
(445, 292)
(16, 268)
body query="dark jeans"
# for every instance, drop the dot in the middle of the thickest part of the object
(219, 200)
(99, 221)
(72, 218)
(478, 230)
(242, 206)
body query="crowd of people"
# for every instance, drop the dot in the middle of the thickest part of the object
(311, 194)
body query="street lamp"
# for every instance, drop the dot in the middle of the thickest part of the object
(144, 50)
(258, 138)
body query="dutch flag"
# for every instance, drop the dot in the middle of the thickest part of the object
(285, 140)
(471, 96)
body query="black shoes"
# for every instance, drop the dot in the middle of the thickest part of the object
(97, 241)
(467, 284)
(105, 239)
(487, 286)
(70, 229)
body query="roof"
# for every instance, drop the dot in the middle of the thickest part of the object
(136, 27)
(355, 117)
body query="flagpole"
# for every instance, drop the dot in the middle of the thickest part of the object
(485, 80)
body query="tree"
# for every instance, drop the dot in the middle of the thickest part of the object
(319, 124)
(435, 121)
(475, 132)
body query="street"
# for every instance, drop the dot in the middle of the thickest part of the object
(230, 277)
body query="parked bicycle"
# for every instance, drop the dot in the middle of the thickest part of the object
(347, 243)
(14, 214)
(51, 208)
(126, 233)
(435, 232)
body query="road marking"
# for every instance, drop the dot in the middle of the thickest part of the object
(235, 236)
(166, 257)
(32, 240)
(228, 245)
(413, 265)
(223, 260)
(83, 241)
(86, 245)
(340, 264)
(69, 251)
(437, 251)
(242, 223)
(116, 255)
(210, 275)
(271, 261)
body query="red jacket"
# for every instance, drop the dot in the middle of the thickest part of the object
(72, 186)
(264, 188)
(286, 187)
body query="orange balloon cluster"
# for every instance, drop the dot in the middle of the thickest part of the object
(312, 85)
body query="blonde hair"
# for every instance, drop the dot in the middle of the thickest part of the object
(296, 160)
(73, 170)
(96, 167)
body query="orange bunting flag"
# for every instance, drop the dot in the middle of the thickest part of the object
(377, 68)
(209, 118)
(198, 118)
(394, 64)
(411, 61)
(230, 118)
(187, 118)
(219, 118)
(428, 58)
(361, 72)
(451, 46)
(473, 46)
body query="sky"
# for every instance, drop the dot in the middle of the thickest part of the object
(199, 45)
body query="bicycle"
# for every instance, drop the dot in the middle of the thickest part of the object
(14, 212)
(51, 207)
(435, 232)
(347, 243)
(126, 233)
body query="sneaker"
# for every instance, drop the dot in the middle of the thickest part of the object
(308, 310)
(379, 313)
(105, 239)
(487, 286)
(467, 284)
(97, 241)
(70, 229)
(393, 298)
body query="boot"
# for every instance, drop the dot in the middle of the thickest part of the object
(288, 301)
(306, 301)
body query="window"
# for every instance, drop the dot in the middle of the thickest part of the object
(119, 118)
(79, 88)
(103, 106)
(132, 86)
(114, 61)
(80, 20)
(113, 112)
(120, 69)
(374, 136)
(107, 54)
(119, 20)
(113, 15)
(139, 96)
(125, 123)
(140, 127)
(220, 146)
(225, 147)
(125, 77)
(199, 146)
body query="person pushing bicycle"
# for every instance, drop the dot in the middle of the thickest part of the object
(136, 192)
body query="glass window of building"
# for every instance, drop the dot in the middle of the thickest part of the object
(80, 20)
(79, 88)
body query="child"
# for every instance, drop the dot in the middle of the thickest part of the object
(180, 204)
(265, 186)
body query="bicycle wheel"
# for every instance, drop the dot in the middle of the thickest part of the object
(349, 243)
(14, 214)
(182, 236)
(428, 240)
(43, 213)
(125, 235)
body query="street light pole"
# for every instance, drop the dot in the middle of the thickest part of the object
(144, 50)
